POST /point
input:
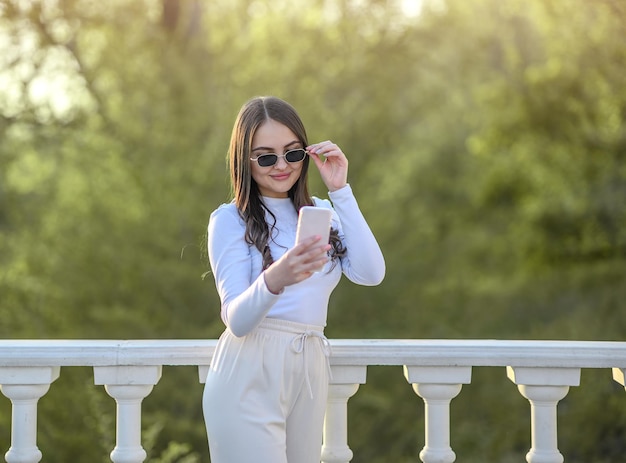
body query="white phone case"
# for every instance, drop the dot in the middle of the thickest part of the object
(314, 221)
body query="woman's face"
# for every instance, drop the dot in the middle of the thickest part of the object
(273, 137)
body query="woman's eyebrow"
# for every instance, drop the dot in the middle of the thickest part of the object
(267, 148)
(295, 142)
(262, 148)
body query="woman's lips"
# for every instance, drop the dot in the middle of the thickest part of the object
(280, 177)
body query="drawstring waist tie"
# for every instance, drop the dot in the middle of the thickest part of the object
(299, 343)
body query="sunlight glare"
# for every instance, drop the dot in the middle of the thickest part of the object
(411, 8)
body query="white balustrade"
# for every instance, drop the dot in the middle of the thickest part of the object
(437, 386)
(24, 386)
(437, 369)
(544, 388)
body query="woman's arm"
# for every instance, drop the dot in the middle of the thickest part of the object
(245, 301)
(364, 262)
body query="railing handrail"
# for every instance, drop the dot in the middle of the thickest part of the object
(427, 352)
(436, 368)
(105, 352)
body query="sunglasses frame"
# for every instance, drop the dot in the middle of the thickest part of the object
(279, 156)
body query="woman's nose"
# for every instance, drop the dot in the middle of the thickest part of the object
(281, 163)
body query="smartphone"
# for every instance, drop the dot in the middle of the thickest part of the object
(314, 221)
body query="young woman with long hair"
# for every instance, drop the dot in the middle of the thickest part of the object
(265, 393)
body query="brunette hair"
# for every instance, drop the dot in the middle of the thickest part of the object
(246, 192)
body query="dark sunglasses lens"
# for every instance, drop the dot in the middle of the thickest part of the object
(295, 155)
(266, 160)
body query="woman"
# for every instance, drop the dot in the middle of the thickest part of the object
(265, 393)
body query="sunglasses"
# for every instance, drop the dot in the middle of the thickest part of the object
(269, 159)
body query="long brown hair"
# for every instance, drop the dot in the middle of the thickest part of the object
(245, 189)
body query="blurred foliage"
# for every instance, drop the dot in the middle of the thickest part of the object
(487, 142)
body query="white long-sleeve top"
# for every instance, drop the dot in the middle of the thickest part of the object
(237, 265)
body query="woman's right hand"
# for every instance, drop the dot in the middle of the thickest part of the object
(297, 264)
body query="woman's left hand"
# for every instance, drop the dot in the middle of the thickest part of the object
(334, 168)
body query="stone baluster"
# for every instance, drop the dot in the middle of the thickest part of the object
(343, 385)
(437, 386)
(24, 386)
(128, 385)
(544, 388)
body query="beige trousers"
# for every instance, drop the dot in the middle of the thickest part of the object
(265, 395)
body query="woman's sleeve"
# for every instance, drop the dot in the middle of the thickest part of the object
(245, 301)
(364, 262)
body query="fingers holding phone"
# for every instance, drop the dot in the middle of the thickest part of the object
(297, 264)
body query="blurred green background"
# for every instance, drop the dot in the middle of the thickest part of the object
(487, 147)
